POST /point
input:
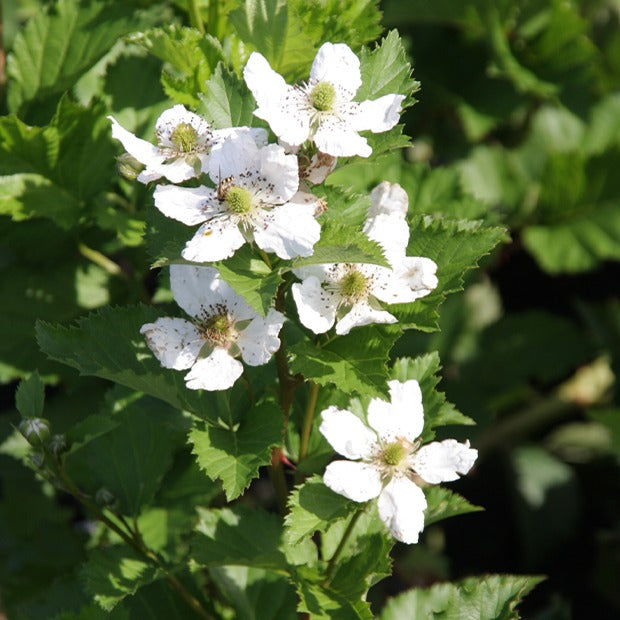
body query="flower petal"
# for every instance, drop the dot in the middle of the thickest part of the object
(280, 173)
(145, 152)
(359, 482)
(177, 170)
(388, 198)
(337, 64)
(176, 343)
(267, 86)
(346, 433)
(417, 277)
(362, 314)
(195, 288)
(190, 205)
(401, 507)
(219, 371)
(403, 416)
(338, 139)
(259, 340)
(290, 230)
(315, 306)
(172, 117)
(378, 115)
(215, 240)
(233, 157)
(391, 232)
(443, 461)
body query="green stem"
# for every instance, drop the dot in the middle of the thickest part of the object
(100, 259)
(138, 545)
(213, 23)
(2, 62)
(265, 258)
(331, 566)
(308, 419)
(278, 480)
(195, 18)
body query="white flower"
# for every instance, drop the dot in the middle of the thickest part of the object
(184, 144)
(256, 199)
(349, 293)
(223, 327)
(386, 459)
(322, 110)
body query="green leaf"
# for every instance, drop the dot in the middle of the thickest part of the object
(108, 344)
(313, 507)
(30, 396)
(437, 410)
(60, 44)
(229, 537)
(190, 58)
(131, 459)
(355, 362)
(234, 453)
(443, 504)
(386, 70)
(277, 33)
(492, 597)
(227, 101)
(112, 573)
(343, 244)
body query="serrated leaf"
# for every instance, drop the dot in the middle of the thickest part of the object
(234, 454)
(492, 597)
(437, 410)
(269, 27)
(130, 459)
(112, 573)
(313, 507)
(229, 537)
(108, 344)
(30, 396)
(60, 44)
(343, 244)
(227, 101)
(443, 504)
(386, 70)
(355, 362)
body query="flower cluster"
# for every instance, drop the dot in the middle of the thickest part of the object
(238, 188)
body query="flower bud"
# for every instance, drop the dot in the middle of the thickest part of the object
(128, 166)
(58, 444)
(104, 497)
(35, 430)
(37, 459)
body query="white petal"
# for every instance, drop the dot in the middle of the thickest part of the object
(401, 507)
(339, 140)
(388, 198)
(290, 230)
(357, 481)
(388, 286)
(346, 433)
(219, 371)
(402, 417)
(417, 274)
(233, 157)
(195, 288)
(259, 340)
(391, 232)
(145, 152)
(215, 240)
(285, 108)
(443, 461)
(174, 116)
(258, 134)
(362, 314)
(190, 205)
(316, 307)
(320, 167)
(378, 115)
(337, 64)
(175, 342)
(177, 170)
(280, 172)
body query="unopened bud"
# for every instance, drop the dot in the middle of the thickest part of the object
(35, 430)
(128, 166)
(58, 444)
(104, 497)
(37, 459)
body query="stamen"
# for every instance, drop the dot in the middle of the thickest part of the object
(394, 453)
(219, 329)
(323, 96)
(184, 137)
(238, 200)
(353, 286)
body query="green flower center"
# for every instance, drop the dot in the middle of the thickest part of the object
(219, 330)
(184, 137)
(353, 285)
(238, 200)
(393, 453)
(323, 96)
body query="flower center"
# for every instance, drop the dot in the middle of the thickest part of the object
(219, 330)
(184, 137)
(238, 200)
(323, 96)
(353, 286)
(394, 453)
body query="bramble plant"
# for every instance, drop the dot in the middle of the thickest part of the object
(248, 437)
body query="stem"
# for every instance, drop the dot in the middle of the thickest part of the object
(331, 566)
(308, 419)
(213, 23)
(265, 258)
(195, 18)
(276, 474)
(138, 545)
(100, 259)
(2, 61)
